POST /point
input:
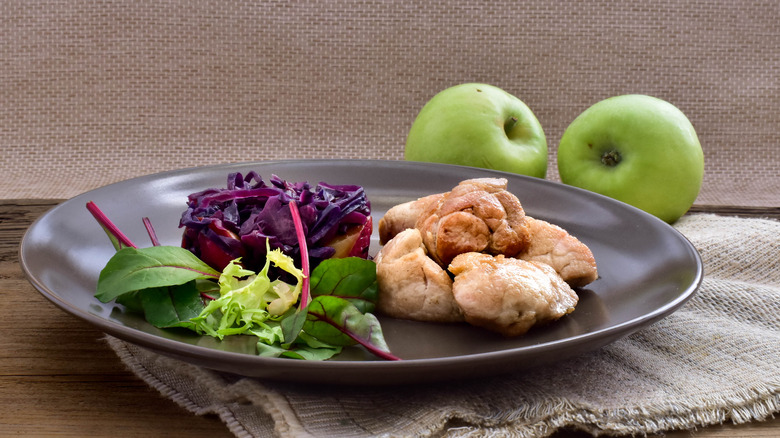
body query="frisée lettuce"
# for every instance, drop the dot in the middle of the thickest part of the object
(248, 299)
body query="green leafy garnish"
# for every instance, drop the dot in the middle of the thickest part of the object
(336, 321)
(173, 306)
(353, 279)
(175, 289)
(132, 269)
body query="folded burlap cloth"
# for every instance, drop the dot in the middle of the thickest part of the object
(714, 360)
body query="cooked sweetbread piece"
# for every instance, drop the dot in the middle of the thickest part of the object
(403, 216)
(478, 215)
(509, 295)
(411, 285)
(553, 245)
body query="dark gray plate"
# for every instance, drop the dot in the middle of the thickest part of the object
(647, 270)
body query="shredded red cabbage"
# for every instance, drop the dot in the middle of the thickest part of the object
(223, 224)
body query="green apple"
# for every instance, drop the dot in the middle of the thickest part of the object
(637, 149)
(479, 125)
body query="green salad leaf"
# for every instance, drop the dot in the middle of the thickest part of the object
(337, 321)
(131, 269)
(352, 278)
(172, 306)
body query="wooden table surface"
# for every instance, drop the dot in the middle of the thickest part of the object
(59, 378)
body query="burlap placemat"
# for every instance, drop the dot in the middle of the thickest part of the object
(98, 92)
(713, 361)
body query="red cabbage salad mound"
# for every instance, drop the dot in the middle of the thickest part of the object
(224, 224)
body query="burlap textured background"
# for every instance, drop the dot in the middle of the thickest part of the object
(93, 92)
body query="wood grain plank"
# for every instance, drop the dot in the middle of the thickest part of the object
(57, 376)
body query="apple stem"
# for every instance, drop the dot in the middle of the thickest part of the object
(611, 158)
(509, 124)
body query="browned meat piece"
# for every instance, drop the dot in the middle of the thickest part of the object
(403, 216)
(554, 246)
(478, 215)
(509, 295)
(411, 285)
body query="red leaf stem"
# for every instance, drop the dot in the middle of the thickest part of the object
(151, 232)
(296, 217)
(386, 355)
(109, 226)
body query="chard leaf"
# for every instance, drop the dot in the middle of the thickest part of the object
(133, 269)
(172, 306)
(351, 278)
(336, 321)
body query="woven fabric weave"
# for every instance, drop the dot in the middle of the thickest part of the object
(98, 92)
(713, 361)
